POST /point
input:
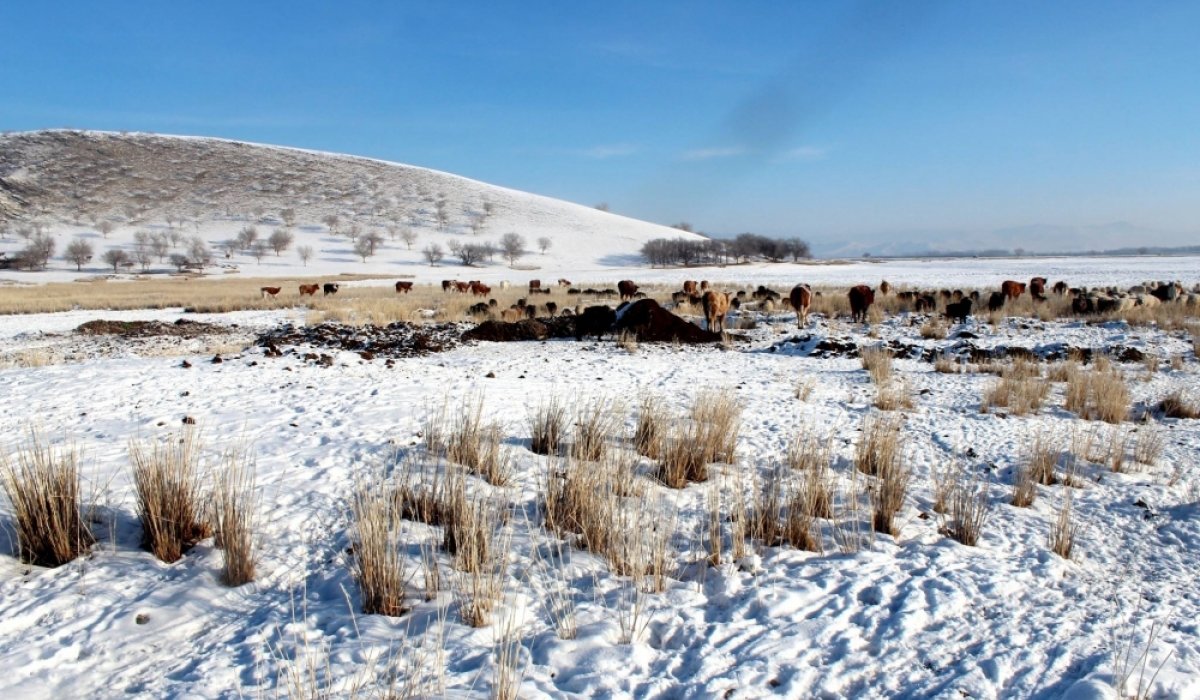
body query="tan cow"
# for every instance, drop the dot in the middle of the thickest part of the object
(801, 298)
(309, 289)
(269, 291)
(716, 305)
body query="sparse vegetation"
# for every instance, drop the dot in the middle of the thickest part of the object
(170, 497)
(43, 489)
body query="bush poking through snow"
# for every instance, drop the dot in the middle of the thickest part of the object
(893, 395)
(1020, 389)
(43, 490)
(1043, 456)
(718, 420)
(681, 457)
(166, 476)
(595, 423)
(234, 504)
(481, 556)
(1098, 394)
(378, 553)
(1148, 446)
(476, 445)
(649, 428)
(888, 492)
(1064, 529)
(547, 426)
(1024, 489)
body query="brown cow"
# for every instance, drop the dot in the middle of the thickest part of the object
(480, 289)
(627, 289)
(461, 287)
(1011, 289)
(535, 284)
(403, 287)
(309, 289)
(1037, 288)
(269, 291)
(884, 287)
(689, 287)
(861, 298)
(1060, 288)
(512, 315)
(704, 285)
(716, 305)
(801, 298)
(447, 285)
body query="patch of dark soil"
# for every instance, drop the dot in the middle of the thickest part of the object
(651, 323)
(824, 347)
(182, 328)
(526, 329)
(398, 339)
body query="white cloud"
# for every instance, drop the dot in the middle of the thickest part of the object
(805, 153)
(603, 152)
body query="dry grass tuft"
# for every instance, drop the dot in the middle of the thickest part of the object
(1118, 449)
(880, 445)
(1020, 389)
(1043, 456)
(650, 424)
(946, 477)
(234, 520)
(167, 478)
(945, 364)
(1175, 405)
(595, 423)
(933, 329)
(43, 490)
(717, 415)
(969, 506)
(1100, 394)
(481, 546)
(804, 388)
(547, 426)
(888, 492)
(1149, 446)
(893, 395)
(1064, 529)
(877, 360)
(378, 553)
(476, 445)
(681, 459)
(807, 450)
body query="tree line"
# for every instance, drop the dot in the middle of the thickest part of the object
(744, 247)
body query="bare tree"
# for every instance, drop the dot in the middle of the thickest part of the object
(115, 257)
(602, 206)
(198, 252)
(513, 247)
(258, 249)
(160, 245)
(363, 247)
(38, 252)
(443, 212)
(176, 237)
(330, 220)
(470, 253)
(105, 227)
(305, 253)
(409, 236)
(544, 244)
(79, 252)
(246, 238)
(288, 216)
(279, 240)
(433, 253)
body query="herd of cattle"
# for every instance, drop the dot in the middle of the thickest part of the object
(957, 305)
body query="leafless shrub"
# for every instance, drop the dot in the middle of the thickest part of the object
(804, 388)
(166, 476)
(969, 506)
(880, 445)
(43, 490)
(234, 519)
(650, 421)
(477, 446)
(547, 426)
(595, 423)
(1043, 456)
(378, 558)
(1148, 446)
(877, 360)
(945, 477)
(1024, 489)
(1017, 389)
(1100, 394)
(807, 450)
(1175, 405)
(1064, 529)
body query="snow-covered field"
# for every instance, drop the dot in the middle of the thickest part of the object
(918, 615)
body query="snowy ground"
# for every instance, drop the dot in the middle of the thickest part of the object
(915, 616)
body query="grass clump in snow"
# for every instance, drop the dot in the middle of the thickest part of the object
(167, 479)
(1176, 405)
(717, 416)
(650, 424)
(547, 426)
(877, 360)
(481, 549)
(43, 490)
(1098, 394)
(969, 507)
(476, 445)
(1064, 529)
(234, 519)
(378, 551)
(880, 444)
(595, 423)
(1020, 389)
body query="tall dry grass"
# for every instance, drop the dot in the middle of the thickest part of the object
(717, 415)
(880, 445)
(1098, 394)
(481, 554)
(547, 427)
(170, 497)
(475, 444)
(877, 360)
(651, 422)
(1020, 389)
(1064, 530)
(43, 490)
(969, 508)
(379, 564)
(596, 422)
(235, 518)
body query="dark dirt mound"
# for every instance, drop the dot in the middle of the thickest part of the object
(650, 322)
(830, 347)
(398, 339)
(182, 328)
(527, 329)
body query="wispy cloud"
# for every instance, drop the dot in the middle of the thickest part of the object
(606, 151)
(711, 153)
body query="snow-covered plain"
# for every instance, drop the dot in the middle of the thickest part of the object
(913, 616)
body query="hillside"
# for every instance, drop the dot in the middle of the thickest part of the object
(76, 184)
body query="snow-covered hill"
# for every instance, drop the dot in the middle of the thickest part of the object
(75, 184)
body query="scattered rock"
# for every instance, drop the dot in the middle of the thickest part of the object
(141, 619)
(188, 420)
(217, 359)
(185, 364)
(490, 375)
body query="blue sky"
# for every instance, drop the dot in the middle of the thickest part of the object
(850, 124)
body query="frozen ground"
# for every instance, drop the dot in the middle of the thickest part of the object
(918, 616)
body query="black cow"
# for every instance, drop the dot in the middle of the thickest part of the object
(996, 301)
(595, 320)
(959, 311)
(329, 288)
